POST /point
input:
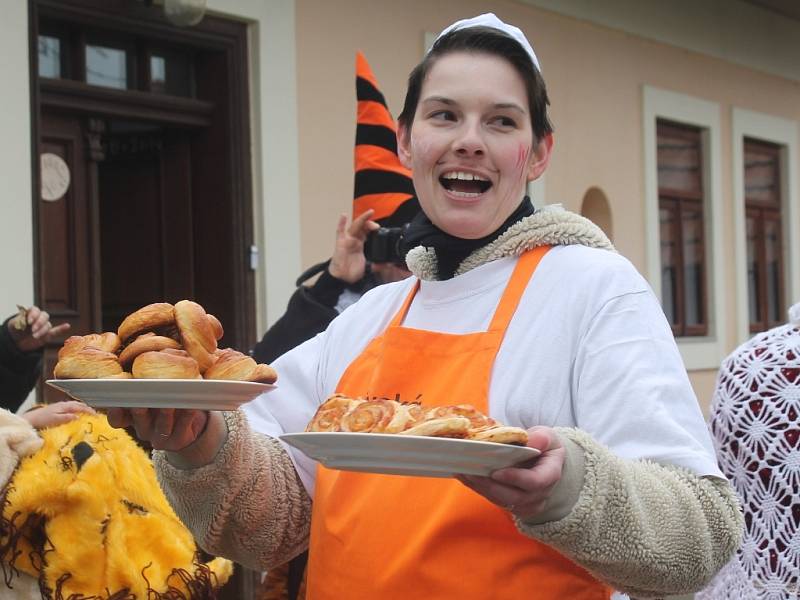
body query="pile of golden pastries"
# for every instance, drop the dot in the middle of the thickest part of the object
(462, 421)
(159, 341)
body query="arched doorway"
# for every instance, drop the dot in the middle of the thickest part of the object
(595, 207)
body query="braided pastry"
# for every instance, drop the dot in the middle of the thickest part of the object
(165, 364)
(233, 365)
(160, 341)
(263, 374)
(197, 333)
(481, 427)
(88, 363)
(450, 427)
(477, 420)
(464, 421)
(329, 415)
(375, 416)
(501, 435)
(147, 342)
(216, 326)
(148, 318)
(108, 342)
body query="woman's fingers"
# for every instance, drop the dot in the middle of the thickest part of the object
(177, 429)
(39, 321)
(40, 330)
(142, 422)
(119, 418)
(61, 418)
(524, 491)
(164, 429)
(59, 330)
(359, 225)
(341, 226)
(499, 494)
(163, 422)
(362, 226)
(33, 314)
(543, 439)
(75, 407)
(188, 426)
(527, 487)
(522, 502)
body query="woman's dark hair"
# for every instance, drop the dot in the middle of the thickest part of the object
(485, 40)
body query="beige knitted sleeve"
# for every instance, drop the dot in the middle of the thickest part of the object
(646, 529)
(248, 505)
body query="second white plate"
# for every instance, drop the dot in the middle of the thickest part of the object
(407, 454)
(205, 394)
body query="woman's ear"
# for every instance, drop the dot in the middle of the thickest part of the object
(404, 145)
(540, 157)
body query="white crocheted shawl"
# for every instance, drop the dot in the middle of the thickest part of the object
(755, 420)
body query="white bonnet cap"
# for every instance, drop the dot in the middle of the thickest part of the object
(490, 20)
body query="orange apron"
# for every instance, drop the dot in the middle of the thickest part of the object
(392, 537)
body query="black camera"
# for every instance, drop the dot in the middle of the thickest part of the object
(385, 245)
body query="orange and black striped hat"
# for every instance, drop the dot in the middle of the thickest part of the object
(382, 183)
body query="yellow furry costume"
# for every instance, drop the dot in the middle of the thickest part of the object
(86, 517)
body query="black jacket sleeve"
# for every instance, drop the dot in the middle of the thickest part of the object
(18, 371)
(309, 312)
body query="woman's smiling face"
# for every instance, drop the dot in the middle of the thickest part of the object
(471, 147)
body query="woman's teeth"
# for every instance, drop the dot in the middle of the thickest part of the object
(465, 185)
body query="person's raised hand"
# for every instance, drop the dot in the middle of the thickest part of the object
(163, 428)
(36, 330)
(524, 491)
(348, 262)
(57, 413)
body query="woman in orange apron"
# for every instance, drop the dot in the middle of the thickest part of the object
(497, 318)
(412, 551)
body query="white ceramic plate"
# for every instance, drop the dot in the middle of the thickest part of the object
(407, 454)
(206, 394)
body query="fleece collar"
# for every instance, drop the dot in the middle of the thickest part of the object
(548, 226)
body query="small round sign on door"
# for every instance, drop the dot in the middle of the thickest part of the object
(55, 177)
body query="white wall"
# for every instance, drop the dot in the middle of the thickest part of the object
(16, 251)
(273, 103)
(734, 30)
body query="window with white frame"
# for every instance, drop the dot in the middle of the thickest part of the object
(683, 220)
(766, 215)
(762, 204)
(681, 201)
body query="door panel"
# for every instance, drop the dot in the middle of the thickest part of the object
(145, 222)
(177, 213)
(67, 288)
(130, 234)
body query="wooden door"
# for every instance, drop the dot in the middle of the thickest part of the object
(67, 252)
(187, 193)
(173, 221)
(122, 234)
(125, 234)
(146, 219)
